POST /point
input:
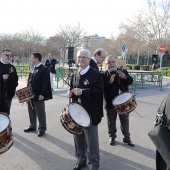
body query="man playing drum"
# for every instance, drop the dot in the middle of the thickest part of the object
(87, 89)
(116, 81)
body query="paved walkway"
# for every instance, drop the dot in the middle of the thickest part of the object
(55, 150)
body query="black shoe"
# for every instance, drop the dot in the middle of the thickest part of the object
(129, 142)
(30, 129)
(41, 133)
(111, 141)
(79, 166)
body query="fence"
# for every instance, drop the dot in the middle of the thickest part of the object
(146, 80)
(141, 80)
(147, 61)
(22, 71)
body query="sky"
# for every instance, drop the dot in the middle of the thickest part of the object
(101, 17)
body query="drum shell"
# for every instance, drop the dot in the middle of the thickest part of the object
(25, 94)
(6, 137)
(127, 106)
(69, 123)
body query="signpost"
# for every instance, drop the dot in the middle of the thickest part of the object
(123, 51)
(161, 49)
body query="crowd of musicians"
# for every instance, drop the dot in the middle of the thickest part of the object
(88, 87)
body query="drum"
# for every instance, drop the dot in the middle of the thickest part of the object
(5, 133)
(124, 103)
(25, 94)
(75, 118)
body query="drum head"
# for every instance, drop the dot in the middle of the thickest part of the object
(4, 122)
(122, 98)
(79, 114)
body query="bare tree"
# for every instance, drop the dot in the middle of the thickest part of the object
(152, 24)
(7, 41)
(31, 41)
(68, 36)
(71, 36)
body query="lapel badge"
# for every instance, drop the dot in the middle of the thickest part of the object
(35, 71)
(86, 82)
(11, 70)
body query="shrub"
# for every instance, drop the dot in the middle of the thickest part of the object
(129, 66)
(136, 67)
(168, 74)
(144, 67)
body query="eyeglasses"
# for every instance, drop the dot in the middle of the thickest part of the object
(111, 62)
(6, 55)
(82, 57)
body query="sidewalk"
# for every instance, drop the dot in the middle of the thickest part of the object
(55, 150)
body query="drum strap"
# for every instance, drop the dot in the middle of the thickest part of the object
(76, 79)
(31, 76)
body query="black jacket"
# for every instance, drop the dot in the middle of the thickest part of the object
(93, 64)
(112, 90)
(39, 80)
(51, 65)
(3, 97)
(12, 82)
(92, 95)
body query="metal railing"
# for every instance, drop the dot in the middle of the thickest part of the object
(22, 71)
(146, 79)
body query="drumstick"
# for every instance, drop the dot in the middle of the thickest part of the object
(31, 104)
(121, 68)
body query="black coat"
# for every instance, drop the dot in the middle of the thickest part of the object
(160, 163)
(92, 95)
(51, 65)
(93, 64)
(39, 80)
(12, 82)
(112, 90)
(3, 97)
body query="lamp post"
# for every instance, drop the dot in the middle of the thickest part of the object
(78, 34)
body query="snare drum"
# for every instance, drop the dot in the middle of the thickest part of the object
(5, 133)
(25, 94)
(75, 118)
(124, 103)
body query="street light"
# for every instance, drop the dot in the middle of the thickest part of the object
(78, 34)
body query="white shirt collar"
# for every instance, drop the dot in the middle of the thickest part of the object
(3, 62)
(85, 70)
(38, 65)
(94, 60)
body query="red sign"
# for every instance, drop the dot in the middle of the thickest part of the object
(162, 48)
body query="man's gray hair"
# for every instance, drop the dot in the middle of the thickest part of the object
(84, 51)
(109, 57)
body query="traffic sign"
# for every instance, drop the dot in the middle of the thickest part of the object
(162, 48)
(123, 48)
